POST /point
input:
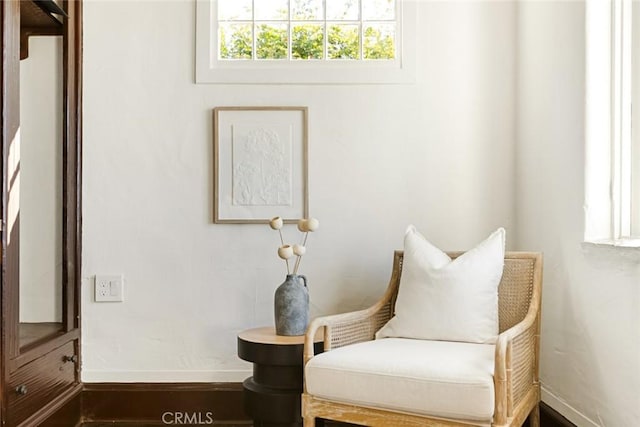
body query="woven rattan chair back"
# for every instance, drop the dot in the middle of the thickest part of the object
(514, 292)
(514, 298)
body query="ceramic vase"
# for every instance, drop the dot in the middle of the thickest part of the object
(291, 306)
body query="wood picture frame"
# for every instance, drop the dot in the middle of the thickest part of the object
(260, 164)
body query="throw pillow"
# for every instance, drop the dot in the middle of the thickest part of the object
(444, 299)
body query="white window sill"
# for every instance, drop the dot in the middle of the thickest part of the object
(629, 243)
(626, 251)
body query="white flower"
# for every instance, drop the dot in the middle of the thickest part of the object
(312, 224)
(285, 252)
(303, 226)
(276, 223)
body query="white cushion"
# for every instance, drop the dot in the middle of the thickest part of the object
(441, 299)
(439, 378)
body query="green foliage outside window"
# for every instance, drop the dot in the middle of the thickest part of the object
(237, 44)
(343, 42)
(307, 42)
(378, 44)
(308, 38)
(271, 42)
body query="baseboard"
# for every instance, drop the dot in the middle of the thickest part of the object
(566, 411)
(69, 415)
(220, 404)
(165, 403)
(228, 376)
(549, 417)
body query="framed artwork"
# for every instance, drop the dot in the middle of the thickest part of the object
(260, 164)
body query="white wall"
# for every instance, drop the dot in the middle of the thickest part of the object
(40, 181)
(590, 366)
(439, 153)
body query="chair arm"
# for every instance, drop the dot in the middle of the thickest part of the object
(356, 326)
(347, 328)
(515, 371)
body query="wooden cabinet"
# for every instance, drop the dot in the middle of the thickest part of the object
(40, 382)
(40, 326)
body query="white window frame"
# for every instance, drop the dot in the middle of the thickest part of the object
(209, 69)
(609, 165)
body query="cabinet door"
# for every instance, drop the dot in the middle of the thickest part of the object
(40, 227)
(41, 182)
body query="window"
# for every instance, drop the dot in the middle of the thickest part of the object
(612, 123)
(635, 122)
(349, 30)
(305, 41)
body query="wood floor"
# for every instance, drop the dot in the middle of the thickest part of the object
(114, 424)
(138, 405)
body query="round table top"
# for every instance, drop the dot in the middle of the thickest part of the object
(267, 335)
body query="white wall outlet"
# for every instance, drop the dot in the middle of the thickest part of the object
(109, 288)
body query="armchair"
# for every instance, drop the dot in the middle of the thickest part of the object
(505, 383)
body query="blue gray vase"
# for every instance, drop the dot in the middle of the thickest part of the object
(291, 303)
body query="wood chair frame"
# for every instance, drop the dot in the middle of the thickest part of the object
(517, 350)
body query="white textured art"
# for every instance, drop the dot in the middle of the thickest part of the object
(262, 168)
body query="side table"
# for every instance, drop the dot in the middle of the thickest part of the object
(272, 395)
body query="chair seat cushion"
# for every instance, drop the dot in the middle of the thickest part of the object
(438, 378)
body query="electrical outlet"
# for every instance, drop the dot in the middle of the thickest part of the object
(109, 288)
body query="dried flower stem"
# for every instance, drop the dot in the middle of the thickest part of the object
(286, 251)
(304, 243)
(282, 241)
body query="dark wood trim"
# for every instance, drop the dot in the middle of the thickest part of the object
(78, 60)
(136, 404)
(5, 29)
(52, 7)
(72, 164)
(102, 404)
(51, 409)
(75, 287)
(34, 352)
(36, 19)
(44, 365)
(147, 402)
(68, 415)
(32, 333)
(72, 107)
(41, 14)
(10, 126)
(549, 417)
(26, 33)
